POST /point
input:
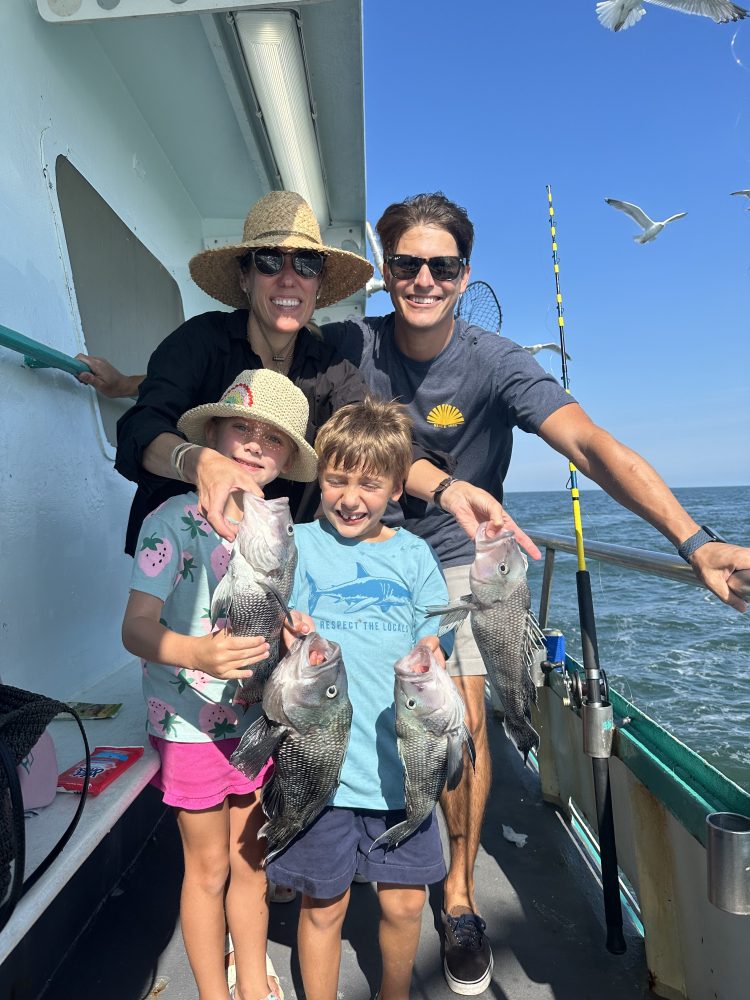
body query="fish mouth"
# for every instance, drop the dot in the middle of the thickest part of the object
(483, 540)
(415, 664)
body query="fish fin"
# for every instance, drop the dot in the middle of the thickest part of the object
(393, 837)
(257, 744)
(361, 571)
(470, 748)
(453, 615)
(271, 589)
(272, 799)
(454, 764)
(221, 602)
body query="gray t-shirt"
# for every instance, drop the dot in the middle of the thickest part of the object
(464, 402)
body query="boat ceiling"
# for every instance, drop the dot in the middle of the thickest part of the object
(222, 159)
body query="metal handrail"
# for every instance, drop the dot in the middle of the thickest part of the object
(641, 560)
(38, 355)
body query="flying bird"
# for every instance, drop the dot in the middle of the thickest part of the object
(746, 193)
(650, 228)
(620, 14)
(533, 348)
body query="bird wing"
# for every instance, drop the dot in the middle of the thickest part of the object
(534, 348)
(680, 215)
(617, 15)
(633, 211)
(746, 192)
(720, 11)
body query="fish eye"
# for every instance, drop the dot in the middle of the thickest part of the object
(290, 529)
(332, 691)
(502, 569)
(411, 703)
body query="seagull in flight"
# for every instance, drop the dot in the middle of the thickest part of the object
(650, 228)
(746, 193)
(620, 14)
(533, 348)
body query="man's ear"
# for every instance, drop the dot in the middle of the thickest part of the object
(397, 492)
(465, 278)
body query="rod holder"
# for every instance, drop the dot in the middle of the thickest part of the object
(728, 862)
(598, 729)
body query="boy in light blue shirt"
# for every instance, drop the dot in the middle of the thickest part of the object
(367, 587)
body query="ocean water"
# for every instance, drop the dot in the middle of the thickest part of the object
(676, 651)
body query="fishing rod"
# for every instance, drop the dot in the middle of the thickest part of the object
(596, 710)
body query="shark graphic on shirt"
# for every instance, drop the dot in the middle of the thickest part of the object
(363, 591)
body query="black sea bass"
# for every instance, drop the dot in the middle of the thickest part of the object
(305, 728)
(431, 733)
(504, 628)
(261, 566)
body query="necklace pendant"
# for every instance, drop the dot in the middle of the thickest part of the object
(279, 357)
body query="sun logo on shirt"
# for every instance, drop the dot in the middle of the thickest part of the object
(445, 415)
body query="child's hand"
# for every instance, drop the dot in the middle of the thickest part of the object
(227, 656)
(303, 625)
(433, 643)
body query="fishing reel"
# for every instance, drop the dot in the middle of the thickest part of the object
(576, 689)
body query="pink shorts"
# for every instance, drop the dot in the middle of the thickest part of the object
(199, 775)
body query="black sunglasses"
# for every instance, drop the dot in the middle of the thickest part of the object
(404, 265)
(269, 260)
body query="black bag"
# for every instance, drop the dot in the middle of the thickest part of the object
(23, 718)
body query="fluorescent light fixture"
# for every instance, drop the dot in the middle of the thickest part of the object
(271, 45)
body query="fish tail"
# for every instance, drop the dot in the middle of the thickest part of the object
(279, 833)
(314, 597)
(522, 733)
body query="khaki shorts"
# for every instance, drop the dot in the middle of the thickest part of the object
(466, 660)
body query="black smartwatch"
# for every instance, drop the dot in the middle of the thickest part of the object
(701, 537)
(441, 487)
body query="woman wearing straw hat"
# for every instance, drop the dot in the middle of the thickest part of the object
(274, 279)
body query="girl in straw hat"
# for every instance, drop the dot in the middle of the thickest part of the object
(195, 719)
(273, 279)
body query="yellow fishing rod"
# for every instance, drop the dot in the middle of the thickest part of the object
(596, 710)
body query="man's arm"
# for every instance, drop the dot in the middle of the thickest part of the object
(632, 482)
(469, 504)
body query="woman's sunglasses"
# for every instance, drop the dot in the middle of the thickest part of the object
(268, 260)
(404, 265)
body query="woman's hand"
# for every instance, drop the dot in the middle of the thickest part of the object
(215, 478)
(106, 379)
(471, 505)
(227, 656)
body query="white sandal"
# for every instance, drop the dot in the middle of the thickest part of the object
(278, 993)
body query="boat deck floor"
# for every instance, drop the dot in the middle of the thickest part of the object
(541, 903)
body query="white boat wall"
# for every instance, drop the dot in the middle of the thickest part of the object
(134, 134)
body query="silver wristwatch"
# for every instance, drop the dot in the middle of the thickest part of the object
(695, 541)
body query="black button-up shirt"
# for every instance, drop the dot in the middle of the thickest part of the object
(194, 365)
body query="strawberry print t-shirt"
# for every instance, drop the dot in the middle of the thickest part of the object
(180, 559)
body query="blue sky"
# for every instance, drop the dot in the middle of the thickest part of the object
(491, 106)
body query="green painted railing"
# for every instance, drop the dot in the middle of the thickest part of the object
(38, 355)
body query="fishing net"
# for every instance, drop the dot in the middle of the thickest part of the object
(479, 306)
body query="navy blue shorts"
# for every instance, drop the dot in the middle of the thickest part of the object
(323, 859)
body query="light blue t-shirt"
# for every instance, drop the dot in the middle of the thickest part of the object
(370, 598)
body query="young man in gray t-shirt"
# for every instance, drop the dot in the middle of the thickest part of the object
(466, 389)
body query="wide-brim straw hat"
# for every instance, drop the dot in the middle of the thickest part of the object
(279, 219)
(264, 395)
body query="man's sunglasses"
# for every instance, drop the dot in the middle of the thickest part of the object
(404, 265)
(268, 260)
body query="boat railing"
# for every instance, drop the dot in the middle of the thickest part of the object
(642, 560)
(38, 355)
